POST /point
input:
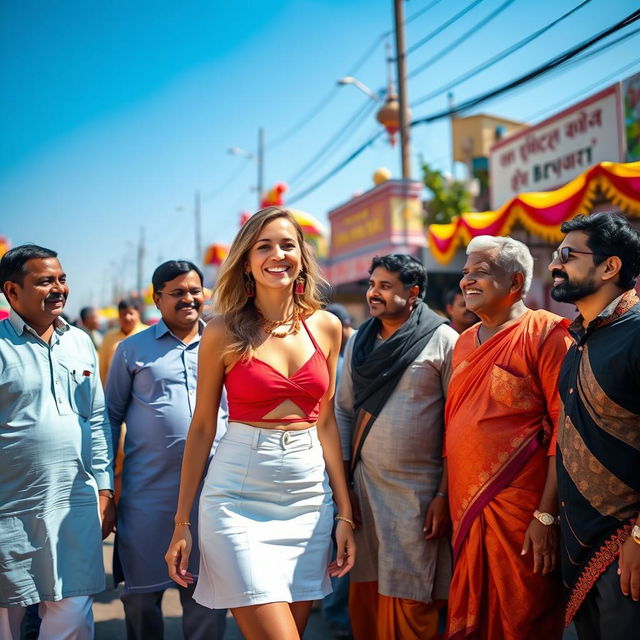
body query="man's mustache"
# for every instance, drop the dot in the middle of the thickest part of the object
(556, 273)
(55, 297)
(188, 305)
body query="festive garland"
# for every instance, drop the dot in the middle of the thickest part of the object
(542, 213)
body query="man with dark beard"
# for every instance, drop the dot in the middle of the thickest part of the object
(598, 459)
(152, 387)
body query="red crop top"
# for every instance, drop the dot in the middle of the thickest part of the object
(255, 388)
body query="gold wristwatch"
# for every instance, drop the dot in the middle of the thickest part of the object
(546, 518)
(635, 533)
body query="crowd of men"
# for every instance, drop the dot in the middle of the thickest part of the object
(495, 474)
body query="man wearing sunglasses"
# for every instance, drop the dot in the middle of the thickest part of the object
(152, 387)
(598, 457)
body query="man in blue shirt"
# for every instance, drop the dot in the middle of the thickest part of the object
(152, 387)
(56, 481)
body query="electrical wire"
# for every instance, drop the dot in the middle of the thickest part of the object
(328, 97)
(383, 36)
(450, 47)
(579, 94)
(235, 174)
(530, 75)
(579, 59)
(538, 71)
(340, 136)
(418, 13)
(442, 27)
(336, 169)
(497, 58)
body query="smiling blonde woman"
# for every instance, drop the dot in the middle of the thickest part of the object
(266, 509)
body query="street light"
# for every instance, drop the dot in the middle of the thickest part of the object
(360, 85)
(237, 151)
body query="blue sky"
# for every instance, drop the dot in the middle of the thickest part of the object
(113, 114)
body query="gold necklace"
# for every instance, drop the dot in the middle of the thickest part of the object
(291, 324)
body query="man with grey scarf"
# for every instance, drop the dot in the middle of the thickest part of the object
(390, 412)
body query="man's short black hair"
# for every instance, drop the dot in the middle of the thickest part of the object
(340, 312)
(13, 261)
(172, 269)
(610, 234)
(450, 296)
(129, 303)
(409, 269)
(85, 312)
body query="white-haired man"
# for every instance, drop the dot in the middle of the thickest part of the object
(501, 413)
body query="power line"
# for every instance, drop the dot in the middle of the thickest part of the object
(443, 26)
(235, 174)
(418, 13)
(583, 92)
(383, 36)
(328, 97)
(474, 29)
(497, 58)
(582, 57)
(306, 119)
(336, 169)
(538, 71)
(355, 121)
(607, 45)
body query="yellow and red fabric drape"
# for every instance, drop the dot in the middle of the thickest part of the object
(542, 213)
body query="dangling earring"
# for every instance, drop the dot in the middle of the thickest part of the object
(300, 284)
(249, 285)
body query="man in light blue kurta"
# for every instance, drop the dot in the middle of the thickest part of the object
(151, 387)
(55, 454)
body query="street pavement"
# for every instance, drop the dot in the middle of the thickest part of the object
(109, 614)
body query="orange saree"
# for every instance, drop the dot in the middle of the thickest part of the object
(502, 408)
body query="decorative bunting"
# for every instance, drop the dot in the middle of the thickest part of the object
(542, 213)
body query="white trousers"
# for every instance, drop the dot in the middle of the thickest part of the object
(67, 619)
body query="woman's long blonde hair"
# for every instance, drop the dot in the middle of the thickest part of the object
(241, 317)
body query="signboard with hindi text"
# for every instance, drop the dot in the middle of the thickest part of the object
(558, 149)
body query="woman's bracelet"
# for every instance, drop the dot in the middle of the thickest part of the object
(183, 524)
(351, 523)
(441, 494)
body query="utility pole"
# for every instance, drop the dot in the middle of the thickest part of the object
(198, 227)
(405, 149)
(140, 262)
(260, 162)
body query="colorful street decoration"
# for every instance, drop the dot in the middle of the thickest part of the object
(542, 213)
(275, 196)
(314, 232)
(215, 254)
(5, 245)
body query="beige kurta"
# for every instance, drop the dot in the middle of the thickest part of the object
(398, 476)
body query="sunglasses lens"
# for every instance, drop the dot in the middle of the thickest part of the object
(564, 254)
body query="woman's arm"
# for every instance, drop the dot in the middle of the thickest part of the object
(330, 441)
(199, 441)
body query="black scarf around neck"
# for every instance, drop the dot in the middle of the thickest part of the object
(376, 371)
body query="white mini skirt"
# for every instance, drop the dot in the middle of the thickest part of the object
(265, 519)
